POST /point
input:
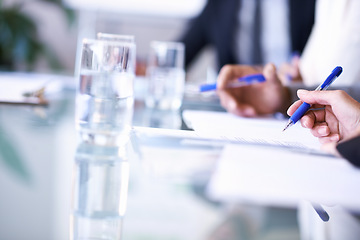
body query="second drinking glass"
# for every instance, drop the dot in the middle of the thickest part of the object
(166, 75)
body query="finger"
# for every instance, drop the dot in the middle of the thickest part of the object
(294, 107)
(230, 103)
(320, 130)
(312, 117)
(322, 97)
(270, 73)
(230, 73)
(295, 60)
(308, 120)
(330, 139)
(333, 123)
(285, 73)
(227, 101)
(244, 110)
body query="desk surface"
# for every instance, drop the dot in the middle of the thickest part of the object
(37, 147)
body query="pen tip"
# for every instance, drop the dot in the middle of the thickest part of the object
(287, 125)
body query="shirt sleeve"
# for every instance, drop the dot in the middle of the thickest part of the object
(334, 41)
(351, 150)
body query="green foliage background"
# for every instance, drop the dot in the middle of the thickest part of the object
(19, 40)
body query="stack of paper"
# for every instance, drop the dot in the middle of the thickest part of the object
(261, 169)
(272, 176)
(263, 131)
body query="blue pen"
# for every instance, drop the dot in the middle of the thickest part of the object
(321, 212)
(305, 106)
(255, 78)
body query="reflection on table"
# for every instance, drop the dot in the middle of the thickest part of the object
(45, 177)
(100, 188)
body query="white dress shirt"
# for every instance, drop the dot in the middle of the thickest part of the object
(334, 41)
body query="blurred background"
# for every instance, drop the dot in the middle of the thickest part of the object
(37, 145)
(43, 35)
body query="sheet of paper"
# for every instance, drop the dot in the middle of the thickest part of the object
(265, 130)
(271, 176)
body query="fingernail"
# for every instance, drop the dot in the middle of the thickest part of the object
(322, 131)
(301, 91)
(335, 138)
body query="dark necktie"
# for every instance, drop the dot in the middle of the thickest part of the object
(257, 58)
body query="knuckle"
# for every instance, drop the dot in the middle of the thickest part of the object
(340, 93)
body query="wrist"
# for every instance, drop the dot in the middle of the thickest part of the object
(287, 100)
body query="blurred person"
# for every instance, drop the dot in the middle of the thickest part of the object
(334, 40)
(239, 37)
(268, 97)
(314, 64)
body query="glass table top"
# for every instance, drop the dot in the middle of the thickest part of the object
(166, 196)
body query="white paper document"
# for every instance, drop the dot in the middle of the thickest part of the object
(272, 176)
(264, 131)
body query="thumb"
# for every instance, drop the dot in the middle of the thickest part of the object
(295, 60)
(270, 72)
(316, 97)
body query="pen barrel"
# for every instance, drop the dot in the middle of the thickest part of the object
(207, 87)
(300, 112)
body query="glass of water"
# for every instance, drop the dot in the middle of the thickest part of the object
(104, 102)
(166, 75)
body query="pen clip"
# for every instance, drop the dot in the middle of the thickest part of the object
(331, 78)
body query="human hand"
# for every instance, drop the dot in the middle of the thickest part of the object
(255, 99)
(339, 118)
(290, 72)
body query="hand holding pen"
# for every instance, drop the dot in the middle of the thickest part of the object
(338, 118)
(306, 106)
(251, 100)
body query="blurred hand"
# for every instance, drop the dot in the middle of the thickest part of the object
(290, 72)
(140, 69)
(338, 120)
(255, 99)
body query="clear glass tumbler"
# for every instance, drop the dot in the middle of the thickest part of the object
(166, 75)
(104, 102)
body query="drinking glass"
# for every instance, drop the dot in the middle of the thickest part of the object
(104, 102)
(166, 75)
